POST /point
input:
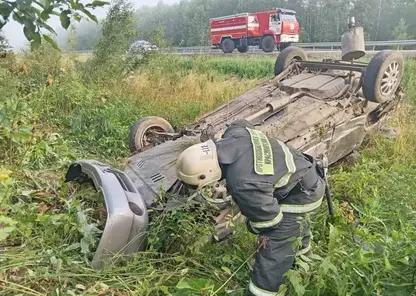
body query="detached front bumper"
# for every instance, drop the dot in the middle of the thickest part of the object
(127, 217)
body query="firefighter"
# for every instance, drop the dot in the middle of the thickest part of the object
(277, 189)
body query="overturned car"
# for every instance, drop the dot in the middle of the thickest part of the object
(319, 108)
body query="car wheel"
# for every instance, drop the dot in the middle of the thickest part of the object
(142, 133)
(288, 56)
(267, 43)
(242, 49)
(383, 76)
(227, 45)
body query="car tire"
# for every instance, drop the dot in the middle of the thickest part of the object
(287, 56)
(242, 49)
(137, 135)
(383, 76)
(267, 43)
(227, 45)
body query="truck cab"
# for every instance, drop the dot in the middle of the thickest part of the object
(277, 27)
(275, 24)
(285, 25)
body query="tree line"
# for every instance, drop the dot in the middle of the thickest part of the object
(187, 22)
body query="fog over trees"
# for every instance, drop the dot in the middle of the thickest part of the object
(186, 23)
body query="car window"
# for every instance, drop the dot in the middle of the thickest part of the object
(252, 20)
(288, 17)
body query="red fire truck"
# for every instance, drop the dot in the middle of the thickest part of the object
(265, 29)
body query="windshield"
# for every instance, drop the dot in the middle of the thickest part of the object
(287, 17)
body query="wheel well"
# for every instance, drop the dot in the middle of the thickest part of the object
(268, 34)
(226, 37)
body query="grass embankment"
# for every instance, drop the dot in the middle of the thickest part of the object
(52, 113)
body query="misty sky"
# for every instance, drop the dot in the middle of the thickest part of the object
(17, 40)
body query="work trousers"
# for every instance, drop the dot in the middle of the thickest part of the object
(276, 254)
(278, 249)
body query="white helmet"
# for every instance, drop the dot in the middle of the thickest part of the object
(198, 165)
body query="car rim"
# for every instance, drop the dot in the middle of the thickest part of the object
(390, 79)
(293, 60)
(149, 136)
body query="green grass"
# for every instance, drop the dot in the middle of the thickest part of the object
(49, 229)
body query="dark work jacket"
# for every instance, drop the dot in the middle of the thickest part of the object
(263, 198)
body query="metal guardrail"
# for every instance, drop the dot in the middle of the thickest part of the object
(321, 46)
(368, 44)
(372, 45)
